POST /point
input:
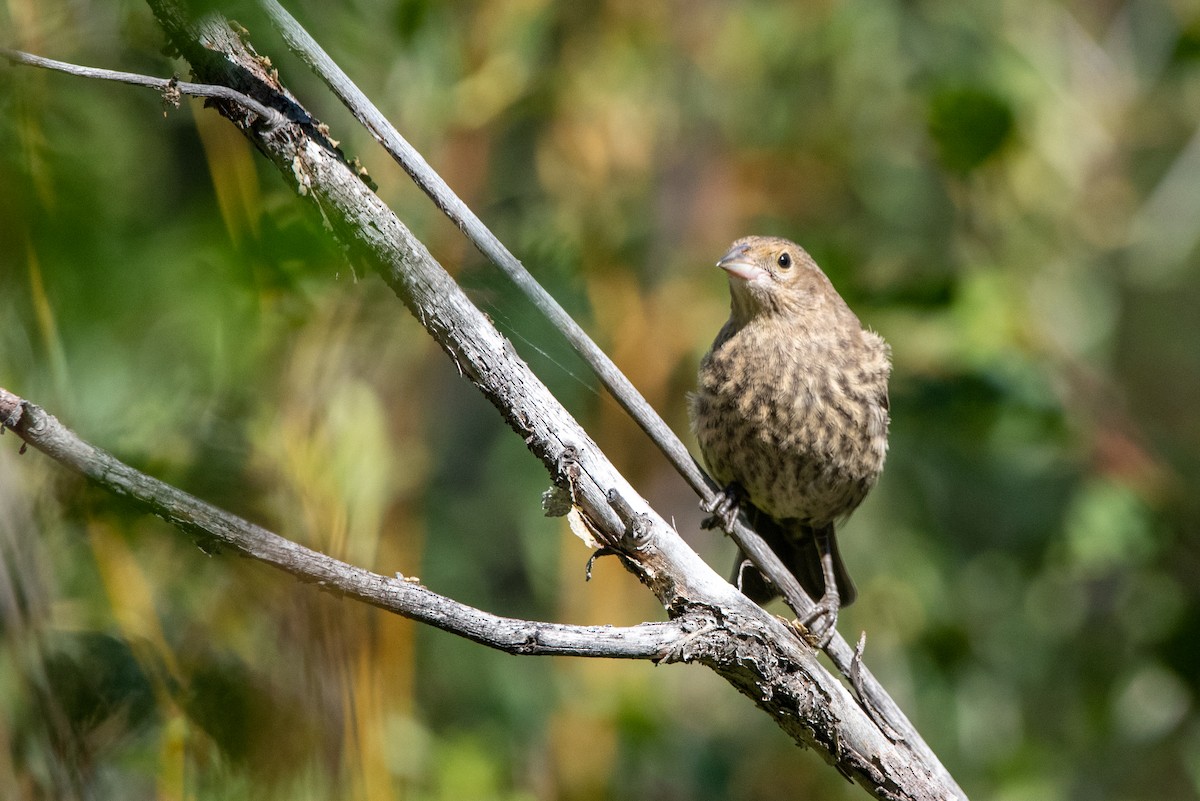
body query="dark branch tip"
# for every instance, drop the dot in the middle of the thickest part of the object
(606, 551)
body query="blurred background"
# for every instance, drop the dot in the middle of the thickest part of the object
(1008, 192)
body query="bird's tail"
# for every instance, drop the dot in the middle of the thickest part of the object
(796, 546)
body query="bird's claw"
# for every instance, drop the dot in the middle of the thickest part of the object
(819, 625)
(723, 508)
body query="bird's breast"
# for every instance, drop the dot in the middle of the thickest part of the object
(799, 421)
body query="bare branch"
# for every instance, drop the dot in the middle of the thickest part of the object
(401, 595)
(170, 87)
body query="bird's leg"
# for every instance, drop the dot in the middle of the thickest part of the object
(723, 508)
(821, 620)
(741, 571)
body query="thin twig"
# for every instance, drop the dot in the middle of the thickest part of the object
(760, 554)
(309, 51)
(170, 87)
(400, 595)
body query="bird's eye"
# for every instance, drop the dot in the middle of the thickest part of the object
(784, 260)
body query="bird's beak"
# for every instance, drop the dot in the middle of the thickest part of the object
(737, 263)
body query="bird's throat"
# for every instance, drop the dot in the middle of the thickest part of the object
(743, 307)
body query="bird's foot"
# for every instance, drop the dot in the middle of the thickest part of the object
(723, 508)
(819, 625)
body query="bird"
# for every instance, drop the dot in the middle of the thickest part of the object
(791, 416)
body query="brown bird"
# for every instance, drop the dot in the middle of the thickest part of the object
(791, 414)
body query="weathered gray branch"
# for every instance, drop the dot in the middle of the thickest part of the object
(758, 653)
(404, 596)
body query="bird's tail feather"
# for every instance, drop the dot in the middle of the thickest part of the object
(796, 546)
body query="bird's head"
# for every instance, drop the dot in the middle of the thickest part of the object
(769, 275)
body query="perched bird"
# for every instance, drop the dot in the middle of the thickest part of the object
(791, 415)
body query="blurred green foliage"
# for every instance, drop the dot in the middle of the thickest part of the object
(1009, 192)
